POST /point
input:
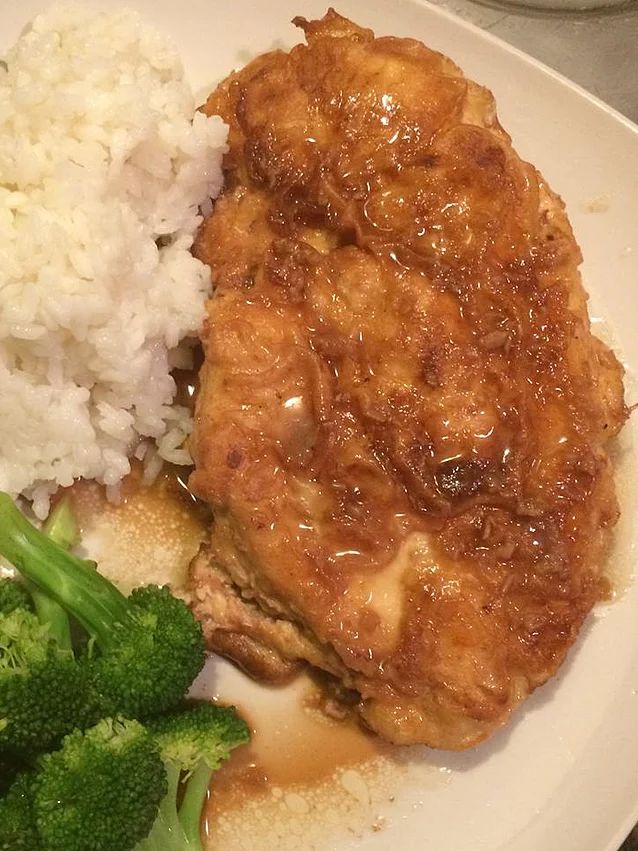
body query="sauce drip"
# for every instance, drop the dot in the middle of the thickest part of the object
(150, 535)
(297, 759)
(302, 767)
(304, 747)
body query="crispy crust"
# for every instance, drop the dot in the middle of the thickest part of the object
(403, 413)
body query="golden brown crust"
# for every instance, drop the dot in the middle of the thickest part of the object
(403, 413)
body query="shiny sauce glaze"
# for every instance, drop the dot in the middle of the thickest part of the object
(149, 534)
(400, 369)
(303, 747)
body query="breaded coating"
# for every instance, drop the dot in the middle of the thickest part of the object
(403, 415)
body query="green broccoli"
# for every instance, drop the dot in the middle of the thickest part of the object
(13, 595)
(44, 693)
(17, 826)
(146, 649)
(10, 767)
(61, 527)
(195, 740)
(116, 786)
(101, 791)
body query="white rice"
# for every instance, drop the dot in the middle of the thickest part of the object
(100, 157)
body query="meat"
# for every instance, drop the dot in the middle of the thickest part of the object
(403, 414)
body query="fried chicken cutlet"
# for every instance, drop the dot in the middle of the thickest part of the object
(403, 414)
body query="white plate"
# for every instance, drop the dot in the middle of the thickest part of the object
(563, 776)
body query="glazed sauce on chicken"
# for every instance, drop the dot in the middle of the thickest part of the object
(297, 749)
(404, 418)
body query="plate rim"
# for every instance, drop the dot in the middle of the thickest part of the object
(498, 41)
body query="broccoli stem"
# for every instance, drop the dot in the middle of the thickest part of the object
(168, 808)
(61, 527)
(167, 833)
(190, 812)
(173, 831)
(91, 598)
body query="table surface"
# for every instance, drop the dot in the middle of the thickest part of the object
(598, 50)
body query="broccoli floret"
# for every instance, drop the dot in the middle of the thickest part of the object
(198, 732)
(17, 825)
(44, 693)
(10, 767)
(149, 660)
(193, 742)
(13, 595)
(146, 649)
(101, 791)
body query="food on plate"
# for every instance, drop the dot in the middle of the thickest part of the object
(101, 790)
(13, 595)
(17, 830)
(102, 172)
(401, 428)
(146, 649)
(99, 749)
(196, 740)
(36, 660)
(114, 787)
(403, 419)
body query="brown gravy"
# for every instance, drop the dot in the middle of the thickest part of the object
(149, 535)
(303, 748)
